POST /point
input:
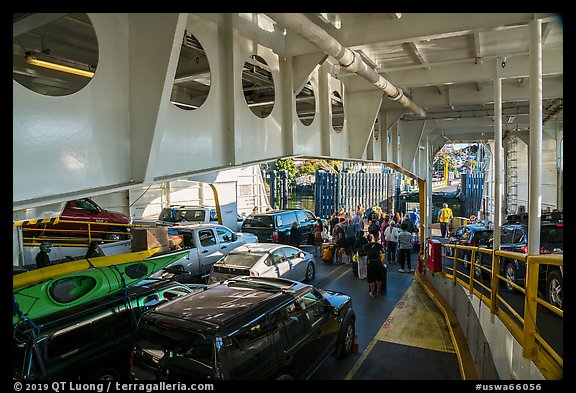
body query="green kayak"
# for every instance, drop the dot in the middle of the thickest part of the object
(73, 289)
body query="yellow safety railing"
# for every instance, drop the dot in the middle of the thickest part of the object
(523, 328)
(77, 237)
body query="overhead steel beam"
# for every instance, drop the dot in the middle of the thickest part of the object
(352, 61)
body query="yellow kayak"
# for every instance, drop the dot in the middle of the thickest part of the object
(48, 272)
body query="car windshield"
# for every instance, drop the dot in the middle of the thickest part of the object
(258, 221)
(241, 259)
(483, 235)
(552, 234)
(172, 214)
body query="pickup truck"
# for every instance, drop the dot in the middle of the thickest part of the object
(207, 243)
(177, 215)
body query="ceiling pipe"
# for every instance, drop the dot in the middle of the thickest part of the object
(352, 61)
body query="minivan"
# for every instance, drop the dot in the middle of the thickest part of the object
(274, 226)
(255, 328)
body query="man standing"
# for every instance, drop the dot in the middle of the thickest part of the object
(404, 249)
(444, 217)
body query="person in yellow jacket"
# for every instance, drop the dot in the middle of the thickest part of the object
(444, 217)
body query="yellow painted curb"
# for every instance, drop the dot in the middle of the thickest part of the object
(467, 365)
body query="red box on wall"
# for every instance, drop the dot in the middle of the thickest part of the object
(434, 255)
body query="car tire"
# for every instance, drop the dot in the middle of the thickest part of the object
(554, 285)
(466, 257)
(510, 274)
(106, 374)
(310, 272)
(348, 338)
(477, 272)
(115, 236)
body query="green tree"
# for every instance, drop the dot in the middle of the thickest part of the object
(288, 165)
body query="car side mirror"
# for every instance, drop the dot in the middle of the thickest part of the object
(335, 311)
(301, 254)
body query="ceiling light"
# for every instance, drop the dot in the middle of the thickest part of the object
(34, 60)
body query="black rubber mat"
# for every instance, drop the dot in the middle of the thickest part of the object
(416, 363)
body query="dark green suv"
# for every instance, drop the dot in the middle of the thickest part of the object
(274, 226)
(255, 328)
(88, 342)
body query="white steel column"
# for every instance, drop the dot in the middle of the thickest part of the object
(498, 153)
(535, 147)
(428, 212)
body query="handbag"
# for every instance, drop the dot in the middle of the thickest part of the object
(382, 257)
(355, 257)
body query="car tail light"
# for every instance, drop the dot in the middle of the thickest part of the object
(544, 250)
(473, 243)
(275, 236)
(524, 249)
(559, 225)
(254, 274)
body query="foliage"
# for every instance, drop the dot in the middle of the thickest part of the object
(288, 165)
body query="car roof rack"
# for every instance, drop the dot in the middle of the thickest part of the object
(272, 284)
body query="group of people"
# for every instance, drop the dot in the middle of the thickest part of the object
(389, 238)
(43, 257)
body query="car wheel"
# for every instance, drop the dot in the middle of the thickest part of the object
(554, 285)
(466, 257)
(310, 272)
(477, 272)
(106, 374)
(348, 338)
(114, 236)
(510, 274)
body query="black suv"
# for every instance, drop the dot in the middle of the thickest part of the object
(255, 328)
(274, 226)
(88, 342)
(514, 237)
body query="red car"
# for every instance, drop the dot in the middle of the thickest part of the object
(76, 214)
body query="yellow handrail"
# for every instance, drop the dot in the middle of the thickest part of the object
(525, 330)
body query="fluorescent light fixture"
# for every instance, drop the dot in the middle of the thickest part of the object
(31, 59)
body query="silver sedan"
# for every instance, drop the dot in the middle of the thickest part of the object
(265, 260)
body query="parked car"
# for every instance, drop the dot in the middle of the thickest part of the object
(265, 260)
(468, 235)
(206, 243)
(177, 215)
(88, 342)
(79, 212)
(514, 237)
(251, 328)
(274, 226)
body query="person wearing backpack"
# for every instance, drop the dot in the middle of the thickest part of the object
(375, 271)
(374, 228)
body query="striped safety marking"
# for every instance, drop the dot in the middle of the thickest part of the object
(49, 221)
